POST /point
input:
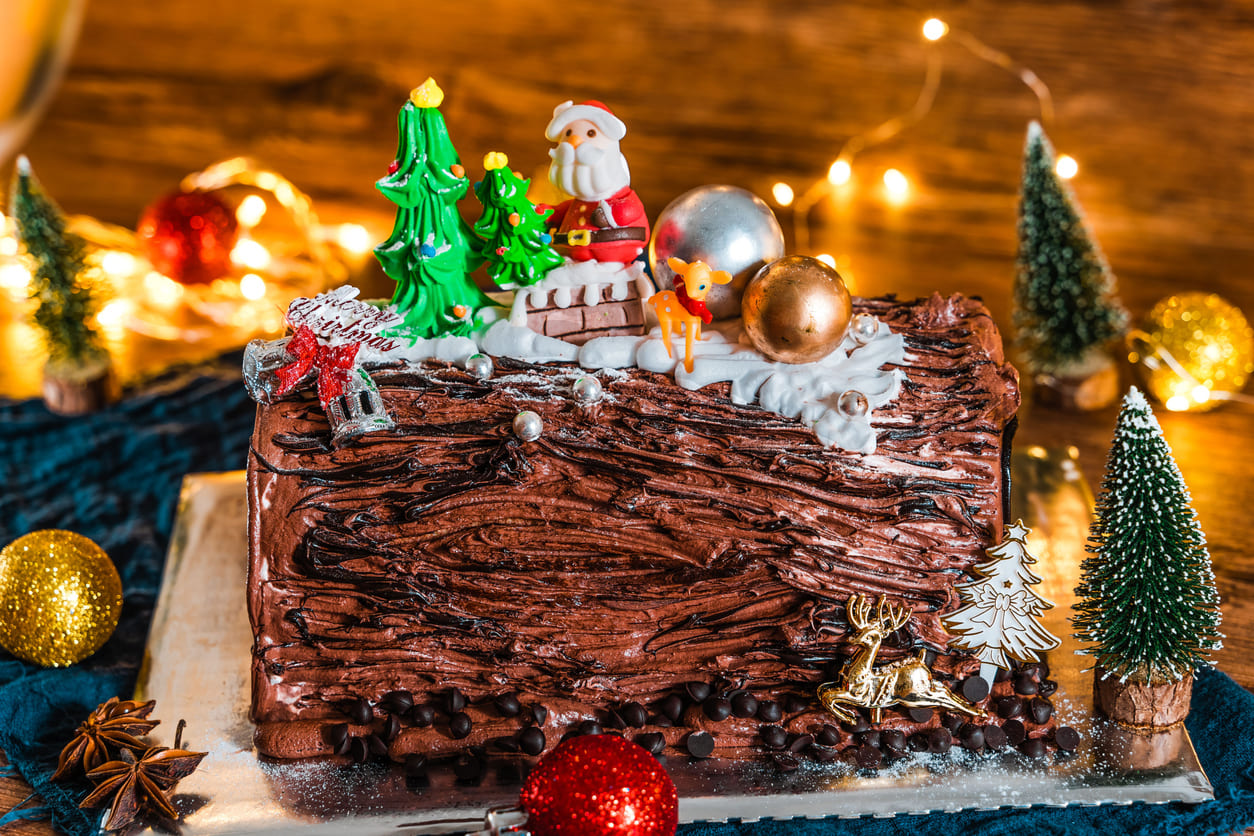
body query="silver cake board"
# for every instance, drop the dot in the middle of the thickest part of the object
(197, 663)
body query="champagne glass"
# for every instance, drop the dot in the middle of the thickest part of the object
(36, 39)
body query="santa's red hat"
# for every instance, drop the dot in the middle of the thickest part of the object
(592, 110)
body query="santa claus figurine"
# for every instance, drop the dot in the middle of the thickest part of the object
(605, 220)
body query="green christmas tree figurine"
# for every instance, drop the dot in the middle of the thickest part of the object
(516, 244)
(1148, 604)
(77, 376)
(1065, 310)
(431, 252)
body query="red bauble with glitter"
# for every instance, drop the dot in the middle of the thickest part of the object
(189, 236)
(600, 784)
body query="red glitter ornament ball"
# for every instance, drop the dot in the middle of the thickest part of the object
(189, 236)
(600, 784)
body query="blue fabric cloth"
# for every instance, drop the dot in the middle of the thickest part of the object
(115, 478)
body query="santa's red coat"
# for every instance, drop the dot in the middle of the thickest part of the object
(627, 210)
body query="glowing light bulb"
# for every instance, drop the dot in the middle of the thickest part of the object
(250, 254)
(1177, 403)
(118, 263)
(1200, 393)
(897, 184)
(8, 246)
(1067, 167)
(250, 210)
(14, 278)
(252, 286)
(839, 173)
(162, 291)
(113, 314)
(827, 259)
(353, 237)
(934, 29)
(783, 194)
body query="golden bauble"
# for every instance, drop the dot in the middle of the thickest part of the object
(796, 309)
(1207, 336)
(60, 598)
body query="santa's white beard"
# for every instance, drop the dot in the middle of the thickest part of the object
(589, 172)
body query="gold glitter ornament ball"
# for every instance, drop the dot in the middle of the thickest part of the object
(60, 598)
(796, 310)
(1211, 340)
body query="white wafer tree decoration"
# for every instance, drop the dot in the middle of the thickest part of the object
(999, 621)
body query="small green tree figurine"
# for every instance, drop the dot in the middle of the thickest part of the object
(516, 244)
(1148, 604)
(1065, 310)
(77, 376)
(431, 252)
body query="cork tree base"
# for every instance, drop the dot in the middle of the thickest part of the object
(1096, 387)
(1140, 706)
(79, 391)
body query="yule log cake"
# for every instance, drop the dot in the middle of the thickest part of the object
(658, 537)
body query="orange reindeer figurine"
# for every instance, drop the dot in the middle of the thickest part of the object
(687, 307)
(908, 682)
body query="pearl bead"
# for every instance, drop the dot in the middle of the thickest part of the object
(479, 365)
(587, 389)
(528, 426)
(852, 404)
(865, 327)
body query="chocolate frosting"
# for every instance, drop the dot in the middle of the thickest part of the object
(655, 537)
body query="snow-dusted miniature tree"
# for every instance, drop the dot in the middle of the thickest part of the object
(1148, 604)
(999, 621)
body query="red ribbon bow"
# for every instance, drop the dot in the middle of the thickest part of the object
(332, 363)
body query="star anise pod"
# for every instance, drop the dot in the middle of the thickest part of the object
(111, 728)
(140, 787)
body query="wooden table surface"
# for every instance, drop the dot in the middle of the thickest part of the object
(1155, 100)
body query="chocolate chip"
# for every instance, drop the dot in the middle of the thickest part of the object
(416, 764)
(506, 744)
(939, 741)
(1042, 668)
(794, 704)
(773, 736)
(672, 706)
(358, 750)
(770, 711)
(467, 768)
(744, 704)
(391, 728)
(868, 757)
(508, 705)
(919, 715)
(422, 716)
(376, 745)
(454, 702)
(1026, 685)
(531, 740)
(974, 689)
(699, 744)
(590, 727)
(917, 742)
(801, 742)
(459, 725)
(1047, 688)
(1015, 732)
(893, 740)
(539, 714)
(994, 737)
(615, 720)
(359, 712)
(1033, 747)
(858, 725)
(953, 722)
(651, 742)
(1002, 675)
(634, 714)
(1041, 710)
(824, 754)
(396, 702)
(335, 734)
(663, 722)
(972, 737)
(1033, 670)
(717, 708)
(786, 761)
(1009, 707)
(698, 691)
(871, 737)
(1066, 738)
(829, 735)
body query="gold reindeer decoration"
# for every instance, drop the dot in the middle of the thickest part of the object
(907, 683)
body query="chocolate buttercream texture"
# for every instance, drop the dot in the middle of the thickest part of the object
(656, 537)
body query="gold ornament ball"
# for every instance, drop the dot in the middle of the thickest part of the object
(1210, 339)
(60, 598)
(796, 310)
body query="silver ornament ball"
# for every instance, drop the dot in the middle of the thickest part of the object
(852, 404)
(726, 227)
(864, 328)
(528, 426)
(479, 365)
(587, 389)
